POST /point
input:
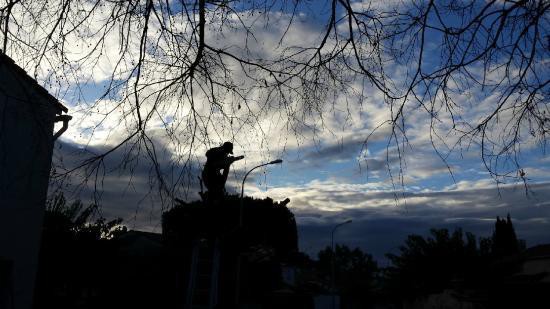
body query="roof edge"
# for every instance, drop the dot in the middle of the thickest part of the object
(41, 90)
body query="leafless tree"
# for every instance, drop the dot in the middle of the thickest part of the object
(170, 70)
(492, 54)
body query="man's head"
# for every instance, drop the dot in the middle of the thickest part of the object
(228, 147)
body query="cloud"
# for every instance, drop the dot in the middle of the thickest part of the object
(381, 223)
(125, 183)
(333, 126)
(382, 217)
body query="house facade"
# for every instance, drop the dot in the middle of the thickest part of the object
(27, 116)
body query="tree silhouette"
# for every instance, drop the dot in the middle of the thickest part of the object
(76, 255)
(267, 238)
(355, 273)
(486, 275)
(64, 221)
(494, 47)
(265, 222)
(505, 241)
(432, 264)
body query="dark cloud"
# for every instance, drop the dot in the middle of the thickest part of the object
(383, 228)
(321, 155)
(380, 221)
(125, 184)
(338, 151)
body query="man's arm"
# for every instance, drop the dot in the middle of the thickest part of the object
(237, 158)
(229, 160)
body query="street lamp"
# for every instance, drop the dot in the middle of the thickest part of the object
(332, 271)
(278, 161)
(334, 230)
(238, 279)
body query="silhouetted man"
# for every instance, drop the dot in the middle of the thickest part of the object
(216, 168)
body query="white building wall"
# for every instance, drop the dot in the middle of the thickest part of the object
(26, 129)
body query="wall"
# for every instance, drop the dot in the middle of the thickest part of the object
(26, 129)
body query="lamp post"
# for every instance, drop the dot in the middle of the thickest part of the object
(333, 256)
(241, 207)
(278, 161)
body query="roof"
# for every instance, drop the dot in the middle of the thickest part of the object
(22, 73)
(538, 252)
(139, 243)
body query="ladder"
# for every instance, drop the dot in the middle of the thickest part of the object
(202, 287)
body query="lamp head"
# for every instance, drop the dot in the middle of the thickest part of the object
(278, 161)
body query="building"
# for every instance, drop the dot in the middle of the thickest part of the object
(27, 116)
(529, 285)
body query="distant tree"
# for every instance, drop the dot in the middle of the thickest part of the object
(485, 246)
(428, 265)
(505, 241)
(355, 272)
(431, 264)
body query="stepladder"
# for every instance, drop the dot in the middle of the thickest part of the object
(204, 272)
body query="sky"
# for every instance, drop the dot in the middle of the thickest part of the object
(330, 173)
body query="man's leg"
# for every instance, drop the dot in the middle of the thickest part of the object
(224, 176)
(206, 179)
(217, 185)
